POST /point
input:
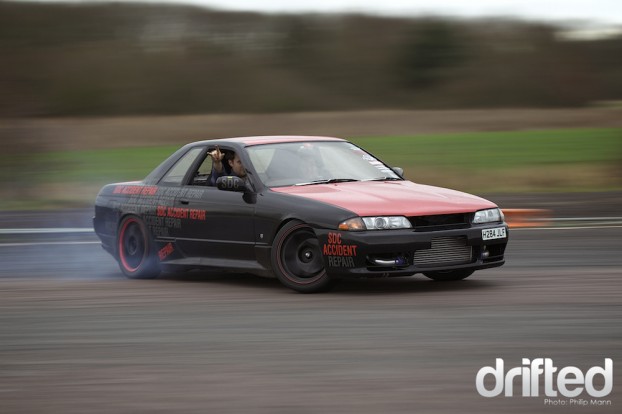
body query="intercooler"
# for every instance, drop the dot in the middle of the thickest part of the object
(444, 251)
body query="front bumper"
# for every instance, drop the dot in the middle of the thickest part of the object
(389, 253)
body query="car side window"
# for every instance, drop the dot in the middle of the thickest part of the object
(177, 173)
(202, 175)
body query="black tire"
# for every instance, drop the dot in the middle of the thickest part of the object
(135, 251)
(297, 259)
(449, 275)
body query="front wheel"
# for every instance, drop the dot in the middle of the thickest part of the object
(449, 275)
(297, 259)
(134, 250)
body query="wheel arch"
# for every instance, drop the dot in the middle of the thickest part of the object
(288, 220)
(282, 224)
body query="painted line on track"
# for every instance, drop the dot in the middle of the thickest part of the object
(585, 219)
(48, 230)
(68, 243)
(567, 228)
(60, 243)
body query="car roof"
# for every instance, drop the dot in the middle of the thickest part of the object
(272, 139)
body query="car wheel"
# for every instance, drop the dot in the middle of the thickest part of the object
(134, 250)
(297, 259)
(449, 275)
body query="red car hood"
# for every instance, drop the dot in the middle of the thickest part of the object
(399, 198)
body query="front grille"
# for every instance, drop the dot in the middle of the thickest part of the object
(444, 251)
(440, 222)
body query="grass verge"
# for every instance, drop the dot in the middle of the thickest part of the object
(485, 162)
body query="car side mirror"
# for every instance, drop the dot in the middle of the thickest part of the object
(399, 171)
(231, 183)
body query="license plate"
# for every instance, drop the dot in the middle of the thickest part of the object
(496, 233)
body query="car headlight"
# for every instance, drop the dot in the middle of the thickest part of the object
(488, 216)
(375, 223)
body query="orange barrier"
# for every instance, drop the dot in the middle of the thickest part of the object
(523, 217)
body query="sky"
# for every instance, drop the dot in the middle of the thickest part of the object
(597, 11)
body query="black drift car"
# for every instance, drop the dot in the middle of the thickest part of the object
(309, 210)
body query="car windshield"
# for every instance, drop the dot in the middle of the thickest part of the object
(316, 162)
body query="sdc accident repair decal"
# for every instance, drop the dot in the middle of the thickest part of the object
(150, 190)
(164, 252)
(181, 213)
(337, 253)
(155, 205)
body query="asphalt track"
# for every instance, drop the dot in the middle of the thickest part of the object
(77, 337)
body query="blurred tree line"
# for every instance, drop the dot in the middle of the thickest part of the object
(111, 59)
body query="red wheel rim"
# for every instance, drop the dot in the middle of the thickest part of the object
(132, 245)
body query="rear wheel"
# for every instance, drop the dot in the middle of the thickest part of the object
(297, 259)
(449, 275)
(134, 250)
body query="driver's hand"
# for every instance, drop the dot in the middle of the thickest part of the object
(217, 157)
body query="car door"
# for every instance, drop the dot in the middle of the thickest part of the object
(215, 225)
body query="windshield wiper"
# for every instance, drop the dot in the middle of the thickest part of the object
(329, 181)
(384, 179)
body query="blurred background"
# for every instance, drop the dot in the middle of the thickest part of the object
(517, 101)
(94, 92)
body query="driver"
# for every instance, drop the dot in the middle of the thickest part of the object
(233, 161)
